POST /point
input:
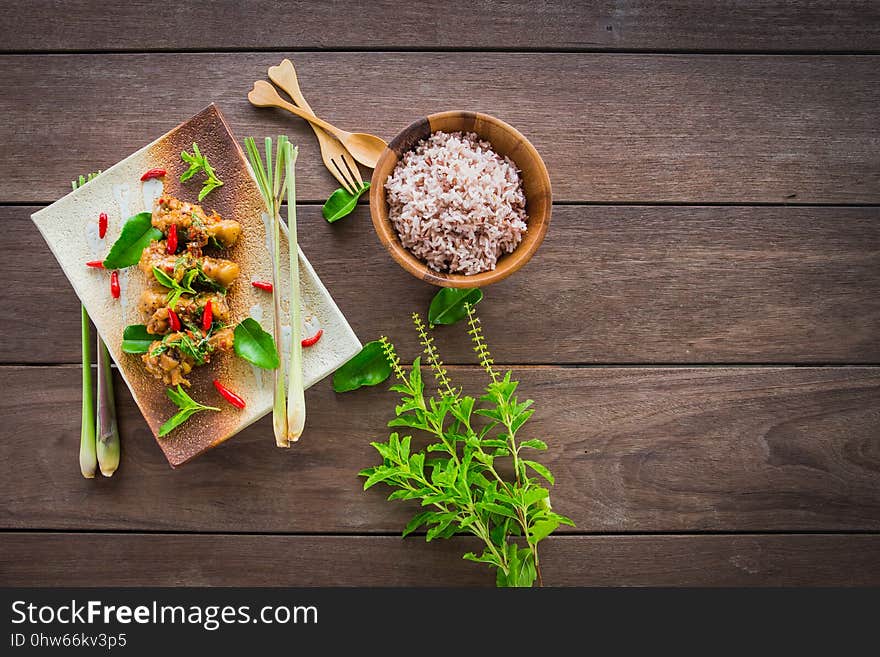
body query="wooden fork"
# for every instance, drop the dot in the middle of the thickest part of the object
(336, 158)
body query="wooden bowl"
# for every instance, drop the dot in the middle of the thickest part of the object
(505, 140)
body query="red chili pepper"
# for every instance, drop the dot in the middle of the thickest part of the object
(102, 225)
(97, 264)
(228, 395)
(207, 317)
(308, 342)
(171, 244)
(114, 284)
(173, 320)
(153, 173)
(262, 285)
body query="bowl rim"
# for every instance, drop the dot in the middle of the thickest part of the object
(388, 236)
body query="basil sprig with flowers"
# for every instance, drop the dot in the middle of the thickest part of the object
(459, 478)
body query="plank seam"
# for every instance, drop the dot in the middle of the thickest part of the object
(568, 203)
(343, 534)
(573, 50)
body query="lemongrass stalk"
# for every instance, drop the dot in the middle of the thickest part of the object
(269, 190)
(279, 418)
(87, 442)
(107, 443)
(88, 462)
(296, 403)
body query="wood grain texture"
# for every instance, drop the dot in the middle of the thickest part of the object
(610, 127)
(734, 449)
(608, 285)
(48, 559)
(771, 25)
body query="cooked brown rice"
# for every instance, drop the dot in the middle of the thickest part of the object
(456, 203)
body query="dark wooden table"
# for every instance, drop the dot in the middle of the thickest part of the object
(699, 329)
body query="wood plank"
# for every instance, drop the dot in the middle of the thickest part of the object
(609, 285)
(633, 450)
(770, 25)
(611, 127)
(234, 560)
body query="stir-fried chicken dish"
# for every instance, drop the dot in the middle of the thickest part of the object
(186, 306)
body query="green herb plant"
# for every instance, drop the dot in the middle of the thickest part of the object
(198, 162)
(188, 407)
(341, 203)
(462, 475)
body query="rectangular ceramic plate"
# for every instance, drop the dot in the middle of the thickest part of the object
(70, 226)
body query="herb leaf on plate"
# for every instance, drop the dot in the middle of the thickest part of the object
(188, 407)
(369, 367)
(198, 162)
(177, 289)
(341, 203)
(136, 235)
(136, 340)
(255, 345)
(449, 305)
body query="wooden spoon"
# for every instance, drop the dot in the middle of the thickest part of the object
(363, 147)
(337, 160)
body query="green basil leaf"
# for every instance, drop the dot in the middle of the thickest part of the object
(341, 203)
(136, 340)
(255, 345)
(164, 279)
(367, 368)
(188, 407)
(176, 420)
(136, 235)
(448, 305)
(540, 469)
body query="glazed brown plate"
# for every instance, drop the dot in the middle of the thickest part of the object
(70, 228)
(506, 141)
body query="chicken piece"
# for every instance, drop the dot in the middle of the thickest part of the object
(225, 231)
(222, 340)
(222, 272)
(174, 265)
(159, 324)
(194, 223)
(219, 270)
(171, 367)
(191, 309)
(152, 299)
